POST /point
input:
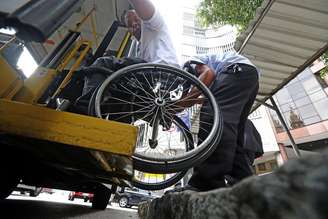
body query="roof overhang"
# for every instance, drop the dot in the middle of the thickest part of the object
(284, 38)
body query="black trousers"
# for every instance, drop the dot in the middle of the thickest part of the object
(235, 94)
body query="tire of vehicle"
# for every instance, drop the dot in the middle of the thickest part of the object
(179, 175)
(101, 197)
(163, 164)
(123, 202)
(10, 180)
(36, 192)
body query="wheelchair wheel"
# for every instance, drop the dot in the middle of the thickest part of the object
(149, 96)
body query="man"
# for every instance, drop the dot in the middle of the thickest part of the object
(154, 42)
(233, 80)
(148, 27)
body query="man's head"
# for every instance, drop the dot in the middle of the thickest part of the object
(133, 23)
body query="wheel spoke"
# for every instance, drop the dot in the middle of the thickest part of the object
(148, 114)
(148, 83)
(124, 101)
(137, 95)
(133, 112)
(143, 89)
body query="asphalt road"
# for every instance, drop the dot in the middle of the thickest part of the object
(56, 206)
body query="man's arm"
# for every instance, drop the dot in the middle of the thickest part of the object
(144, 8)
(207, 76)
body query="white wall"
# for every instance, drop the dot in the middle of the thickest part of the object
(261, 120)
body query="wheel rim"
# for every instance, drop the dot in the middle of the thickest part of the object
(145, 103)
(123, 202)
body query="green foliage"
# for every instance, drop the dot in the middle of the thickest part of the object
(234, 12)
(324, 71)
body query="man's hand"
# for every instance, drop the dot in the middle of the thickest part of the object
(205, 75)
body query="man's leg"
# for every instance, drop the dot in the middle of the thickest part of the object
(242, 167)
(232, 94)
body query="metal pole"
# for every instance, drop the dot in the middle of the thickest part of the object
(282, 120)
(265, 104)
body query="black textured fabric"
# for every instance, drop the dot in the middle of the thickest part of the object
(93, 78)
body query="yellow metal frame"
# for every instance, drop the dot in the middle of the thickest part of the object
(68, 77)
(123, 44)
(67, 128)
(10, 82)
(39, 81)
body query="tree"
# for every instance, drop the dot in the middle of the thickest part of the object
(324, 71)
(235, 12)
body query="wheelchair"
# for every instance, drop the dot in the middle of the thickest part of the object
(172, 138)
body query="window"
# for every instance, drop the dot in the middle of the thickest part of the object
(261, 167)
(201, 50)
(255, 114)
(276, 122)
(322, 108)
(200, 32)
(296, 91)
(302, 102)
(287, 107)
(305, 74)
(188, 30)
(311, 85)
(286, 117)
(273, 165)
(283, 96)
(319, 95)
(312, 120)
(307, 111)
(188, 16)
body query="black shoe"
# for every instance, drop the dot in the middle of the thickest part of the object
(182, 189)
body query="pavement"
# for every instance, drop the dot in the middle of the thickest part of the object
(57, 205)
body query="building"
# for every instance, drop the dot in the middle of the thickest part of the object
(195, 40)
(304, 105)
